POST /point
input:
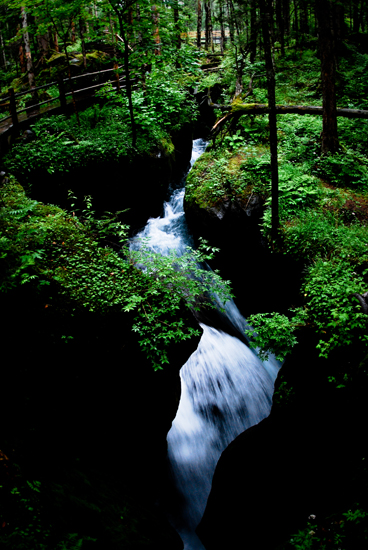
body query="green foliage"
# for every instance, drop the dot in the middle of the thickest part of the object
(346, 530)
(329, 308)
(324, 233)
(299, 138)
(104, 133)
(43, 245)
(234, 141)
(332, 310)
(164, 102)
(352, 81)
(273, 333)
(297, 191)
(348, 169)
(315, 223)
(172, 279)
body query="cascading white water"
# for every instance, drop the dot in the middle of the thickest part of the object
(225, 388)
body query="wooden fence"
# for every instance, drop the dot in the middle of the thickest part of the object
(75, 84)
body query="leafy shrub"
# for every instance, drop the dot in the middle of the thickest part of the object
(332, 310)
(316, 233)
(299, 138)
(297, 191)
(344, 170)
(273, 333)
(105, 132)
(257, 172)
(43, 244)
(340, 530)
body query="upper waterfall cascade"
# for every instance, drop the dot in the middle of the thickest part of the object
(226, 388)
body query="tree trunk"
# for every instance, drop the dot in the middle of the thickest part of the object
(70, 81)
(43, 44)
(3, 51)
(72, 32)
(253, 30)
(177, 38)
(231, 22)
(304, 28)
(330, 142)
(82, 30)
(356, 18)
(266, 23)
(127, 78)
(271, 31)
(22, 61)
(286, 15)
(27, 48)
(208, 24)
(280, 25)
(234, 18)
(199, 24)
(156, 32)
(55, 41)
(222, 26)
(296, 25)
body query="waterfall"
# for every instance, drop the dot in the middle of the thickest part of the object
(226, 388)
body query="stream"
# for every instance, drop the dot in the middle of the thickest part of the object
(225, 388)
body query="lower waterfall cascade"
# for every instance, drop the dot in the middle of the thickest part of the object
(225, 387)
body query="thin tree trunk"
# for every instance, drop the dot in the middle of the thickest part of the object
(304, 29)
(253, 30)
(82, 30)
(207, 7)
(266, 23)
(71, 83)
(72, 32)
(286, 15)
(280, 25)
(177, 39)
(127, 76)
(296, 25)
(22, 61)
(30, 69)
(156, 32)
(271, 31)
(234, 18)
(55, 40)
(43, 44)
(330, 142)
(199, 24)
(3, 50)
(356, 18)
(231, 22)
(222, 26)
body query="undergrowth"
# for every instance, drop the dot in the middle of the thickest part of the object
(104, 133)
(43, 244)
(317, 193)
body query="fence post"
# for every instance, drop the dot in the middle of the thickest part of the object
(13, 111)
(62, 96)
(116, 66)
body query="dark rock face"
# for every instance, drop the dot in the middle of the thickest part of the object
(95, 399)
(301, 459)
(262, 281)
(138, 185)
(304, 459)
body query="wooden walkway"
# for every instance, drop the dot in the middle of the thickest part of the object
(17, 118)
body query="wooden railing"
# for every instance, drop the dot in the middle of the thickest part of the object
(10, 102)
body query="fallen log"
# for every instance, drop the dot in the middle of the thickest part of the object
(237, 109)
